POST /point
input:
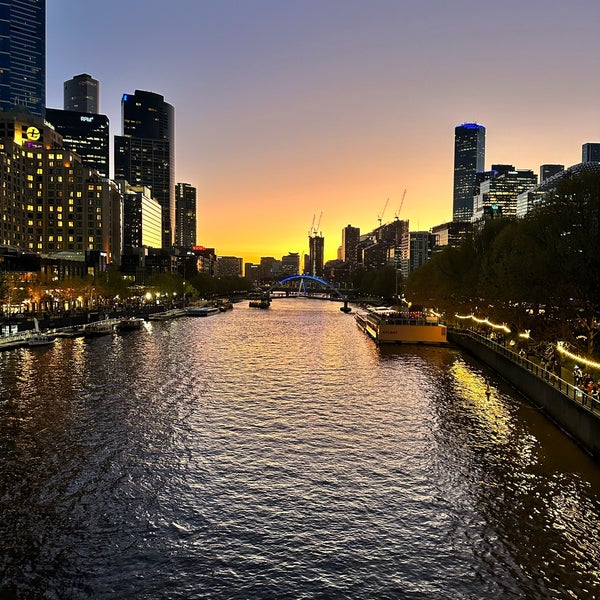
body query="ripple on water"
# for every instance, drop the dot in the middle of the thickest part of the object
(281, 454)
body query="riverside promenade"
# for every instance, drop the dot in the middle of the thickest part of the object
(575, 412)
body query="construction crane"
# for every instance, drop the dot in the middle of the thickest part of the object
(312, 226)
(400, 207)
(380, 216)
(318, 224)
(315, 230)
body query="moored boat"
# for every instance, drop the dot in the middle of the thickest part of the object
(130, 324)
(37, 339)
(99, 328)
(167, 314)
(202, 311)
(260, 303)
(389, 326)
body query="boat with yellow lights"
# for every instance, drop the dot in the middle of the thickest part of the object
(388, 325)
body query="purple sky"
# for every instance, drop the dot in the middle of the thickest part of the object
(286, 109)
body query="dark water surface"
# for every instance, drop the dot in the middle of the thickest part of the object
(281, 454)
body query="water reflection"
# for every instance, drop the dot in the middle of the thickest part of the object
(281, 453)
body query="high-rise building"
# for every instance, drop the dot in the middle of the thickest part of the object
(469, 158)
(142, 218)
(50, 202)
(350, 241)
(85, 133)
(229, 266)
(420, 249)
(547, 171)
(82, 94)
(499, 192)
(290, 264)
(185, 211)
(590, 152)
(23, 55)
(316, 245)
(145, 153)
(269, 266)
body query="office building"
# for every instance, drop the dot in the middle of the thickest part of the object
(350, 242)
(229, 266)
(23, 55)
(142, 218)
(590, 152)
(547, 171)
(185, 215)
(316, 245)
(85, 133)
(145, 153)
(469, 158)
(252, 272)
(420, 248)
(450, 234)
(498, 194)
(50, 202)
(269, 266)
(290, 264)
(82, 94)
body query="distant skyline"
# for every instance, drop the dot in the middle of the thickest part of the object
(284, 110)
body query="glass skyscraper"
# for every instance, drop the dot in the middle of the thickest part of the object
(145, 153)
(469, 158)
(23, 55)
(82, 94)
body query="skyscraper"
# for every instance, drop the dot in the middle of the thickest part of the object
(350, 240)
(145, 153)
(316, 244)
(185, 210)
(547, 171)
(469, 157)
(84, 133)
(590, 152)
(82, 94)
(23, 55)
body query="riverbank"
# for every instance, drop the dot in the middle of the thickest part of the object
(574, 411)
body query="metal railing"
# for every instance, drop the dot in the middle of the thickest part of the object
(574, 393)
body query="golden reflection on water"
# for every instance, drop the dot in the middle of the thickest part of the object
(488, 407)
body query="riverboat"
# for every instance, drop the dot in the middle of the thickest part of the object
(38, 339)
(387, 325)
(173, 313)
(69, 332)
(202, 311)
(260, 303)
(130, 324)
(99, 328)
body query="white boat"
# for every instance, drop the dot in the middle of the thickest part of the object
(386, 325)
(98, 328)
(37, 339)
(202, 311)
(173, 313)
(130, 324)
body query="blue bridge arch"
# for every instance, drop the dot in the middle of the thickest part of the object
(309, 278)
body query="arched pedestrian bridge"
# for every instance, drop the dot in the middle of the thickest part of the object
(306, 286)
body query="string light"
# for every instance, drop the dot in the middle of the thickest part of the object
(484, 322)
(560, 347)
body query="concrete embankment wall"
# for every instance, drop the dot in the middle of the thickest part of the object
(577, 420)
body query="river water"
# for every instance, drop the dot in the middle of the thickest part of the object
(281, 454)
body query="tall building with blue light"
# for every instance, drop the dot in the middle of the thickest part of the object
(469, 158)
(145, 153)
(23, 55)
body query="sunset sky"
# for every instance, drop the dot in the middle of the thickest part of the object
(287, 109)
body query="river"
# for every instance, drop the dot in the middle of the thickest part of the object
(281, 454)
